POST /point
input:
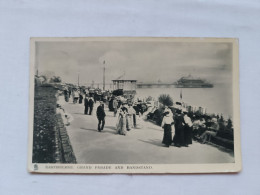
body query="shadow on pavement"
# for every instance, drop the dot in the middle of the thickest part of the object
(81, 114)
(103, 131)
(111, 127)
(110, 116)
(155, 142)
(90, 129)
(155, 129)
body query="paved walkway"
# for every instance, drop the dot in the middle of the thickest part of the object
(138, 146)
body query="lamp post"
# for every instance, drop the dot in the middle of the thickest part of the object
(104, 77)
(78, 78)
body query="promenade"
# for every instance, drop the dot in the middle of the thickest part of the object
(139, 146)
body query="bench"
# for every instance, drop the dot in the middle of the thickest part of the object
(227, 143)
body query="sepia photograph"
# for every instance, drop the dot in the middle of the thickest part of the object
(134, 105)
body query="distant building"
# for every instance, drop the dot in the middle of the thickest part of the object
(126, 84)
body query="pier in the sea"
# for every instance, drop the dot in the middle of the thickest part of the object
(154, 85)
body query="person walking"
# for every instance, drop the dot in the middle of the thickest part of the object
(86, 104)
(69, 91)
(187, 129)
(131, 117)
(121, 125)
(101, 116)
(66, 94)
(167, 126)
(115, 106)
(178, 138)
(91, 105)
(125, 110)
(80, 97)
(76, 96)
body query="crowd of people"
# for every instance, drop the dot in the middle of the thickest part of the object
(179, 127)
(126, 118)
(127, 114)
(180, 124)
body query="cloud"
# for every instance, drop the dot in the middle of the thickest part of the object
(144, 61)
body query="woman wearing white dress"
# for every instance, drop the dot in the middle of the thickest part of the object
(121, 124)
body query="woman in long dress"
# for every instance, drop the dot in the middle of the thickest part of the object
(131, 113)
(178, 138)
(167, 126)
(187, 129)
(121, 124)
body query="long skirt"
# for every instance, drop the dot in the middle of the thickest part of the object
(129, 122)
(179, 136)
(121, 126)
(86, 110)
(167, 137)
(187, 135)
(139, 122)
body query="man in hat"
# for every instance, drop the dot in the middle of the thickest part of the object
(91, 105)
(101, 116)
(86, 104)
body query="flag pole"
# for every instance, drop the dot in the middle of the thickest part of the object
(104, 77)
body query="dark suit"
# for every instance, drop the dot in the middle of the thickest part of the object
(91, 104)
(86, 104)
(101, 117)
(179, 139)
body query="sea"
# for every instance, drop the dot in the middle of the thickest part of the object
(217, 100)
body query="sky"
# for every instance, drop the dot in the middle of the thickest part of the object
(146, 62)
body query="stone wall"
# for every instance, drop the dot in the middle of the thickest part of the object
(51, 142)
(66, 151)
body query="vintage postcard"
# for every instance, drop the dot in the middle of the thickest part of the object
(134, 105)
